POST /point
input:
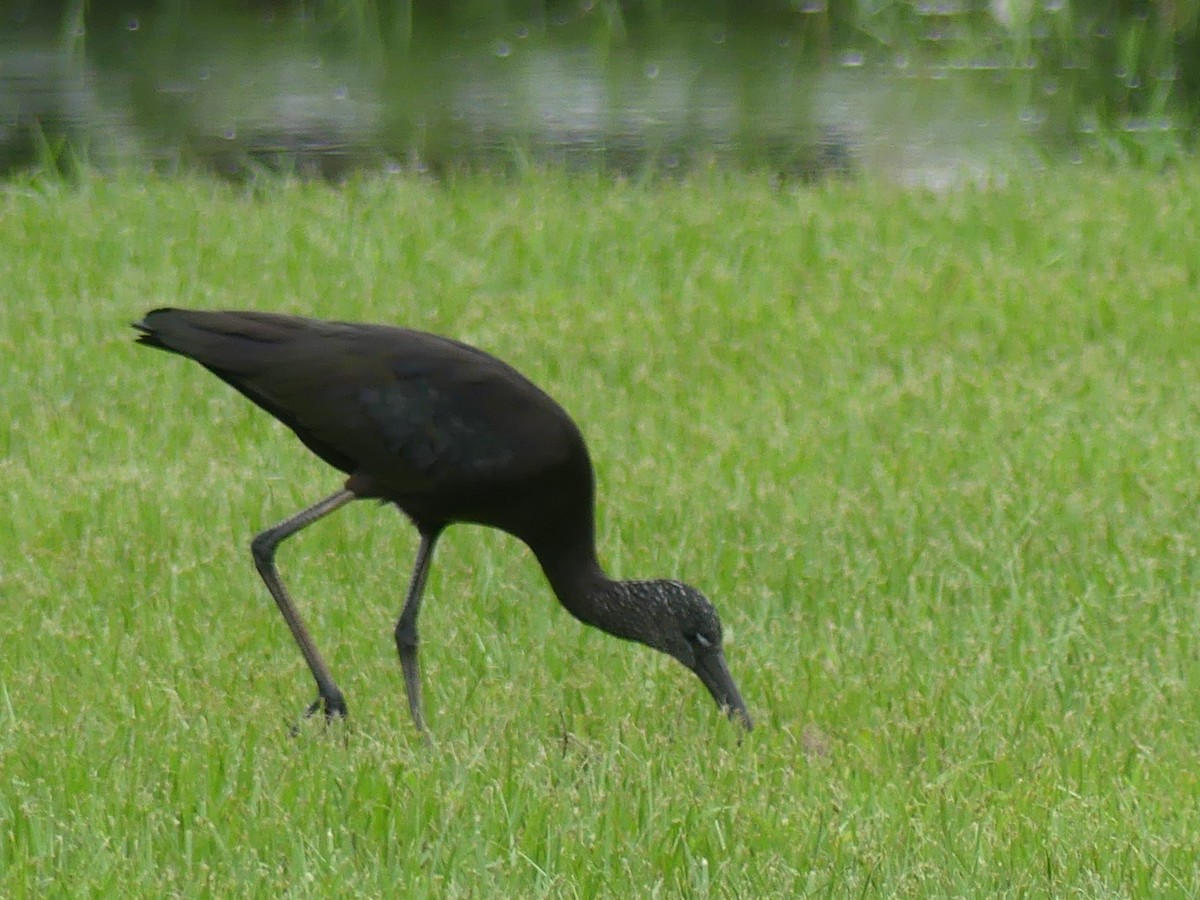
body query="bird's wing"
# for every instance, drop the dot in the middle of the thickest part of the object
(418, 419)
(412, 410)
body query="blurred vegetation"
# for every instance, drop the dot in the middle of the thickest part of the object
(1123, 75)
(1125, 63)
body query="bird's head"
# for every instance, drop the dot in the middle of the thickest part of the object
(686, 626)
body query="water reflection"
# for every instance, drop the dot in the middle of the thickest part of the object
(266, 91)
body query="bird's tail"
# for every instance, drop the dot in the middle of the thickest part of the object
(228, 342)
(149, 336)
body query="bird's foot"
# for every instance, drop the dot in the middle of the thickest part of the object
(333, 706)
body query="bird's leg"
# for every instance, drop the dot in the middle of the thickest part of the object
(406, 626)
(263, 547)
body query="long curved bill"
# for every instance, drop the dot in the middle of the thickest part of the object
(712, 670)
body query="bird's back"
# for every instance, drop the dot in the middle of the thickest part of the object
(443, 429)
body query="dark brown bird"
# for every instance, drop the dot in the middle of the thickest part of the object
(449, 434)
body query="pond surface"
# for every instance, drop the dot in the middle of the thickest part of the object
(279, 91)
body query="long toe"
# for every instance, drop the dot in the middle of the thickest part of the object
(313, 707)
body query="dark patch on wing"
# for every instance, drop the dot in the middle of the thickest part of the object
(424, 429)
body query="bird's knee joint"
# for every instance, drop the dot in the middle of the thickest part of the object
(263, 547)
(406, 636)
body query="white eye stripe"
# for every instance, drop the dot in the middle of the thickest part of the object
(703, 641)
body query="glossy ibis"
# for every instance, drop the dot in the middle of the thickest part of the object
(449, 434)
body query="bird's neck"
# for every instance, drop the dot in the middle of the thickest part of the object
(582, 586)
(575, 575)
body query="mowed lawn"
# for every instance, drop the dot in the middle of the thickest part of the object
(934, 457)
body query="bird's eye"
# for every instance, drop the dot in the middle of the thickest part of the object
(702, 641)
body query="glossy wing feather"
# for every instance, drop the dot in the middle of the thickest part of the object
(412, 411)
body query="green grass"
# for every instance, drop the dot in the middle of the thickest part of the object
(934, 457)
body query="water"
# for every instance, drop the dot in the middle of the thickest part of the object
(273, 91)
